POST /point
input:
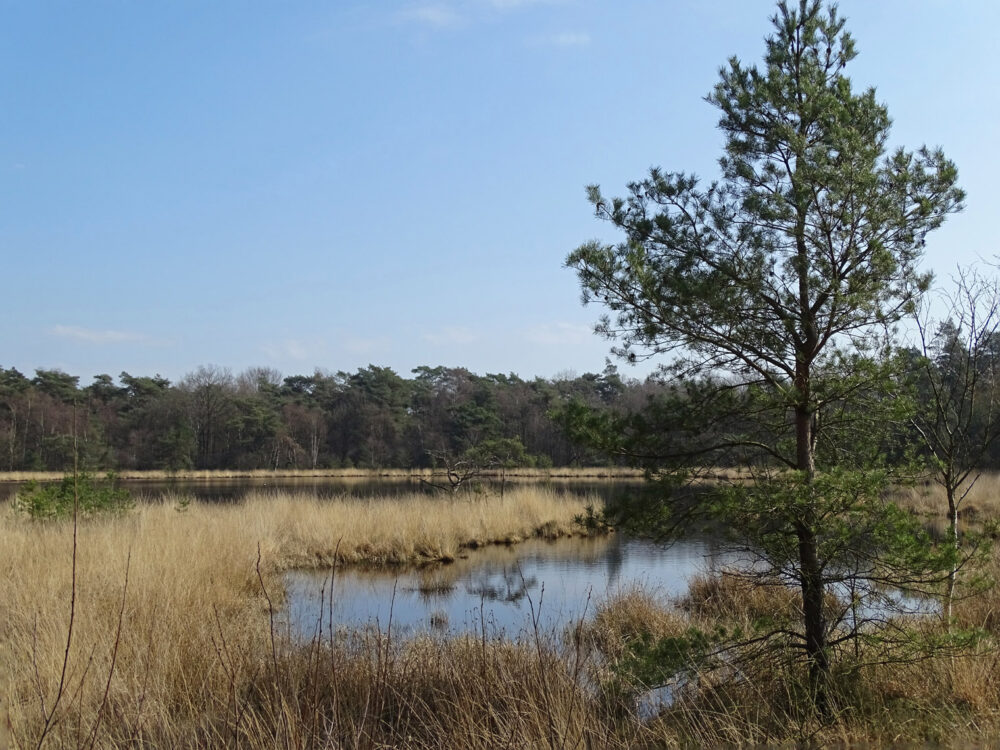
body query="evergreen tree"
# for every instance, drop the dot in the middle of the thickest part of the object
(778, 287)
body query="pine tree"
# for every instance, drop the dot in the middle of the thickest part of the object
(775, 291)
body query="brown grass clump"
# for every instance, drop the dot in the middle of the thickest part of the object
(729, 596)
(432, 693)
(927, 498)
(191, 587)
(633, 614)
(318, 533)
(978, 606)
(367, 690)
(764, 700)
(941, 701)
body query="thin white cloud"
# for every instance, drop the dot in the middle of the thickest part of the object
(558, 334)
(451, 336)
(295, 349)
(437, 16)
(92, 336)
(453, 13)
(566, 39)
(367, 346)
(512, 4)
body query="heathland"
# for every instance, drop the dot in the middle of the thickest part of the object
(155, 627)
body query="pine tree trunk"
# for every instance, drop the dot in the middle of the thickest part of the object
(812, 609)
(811, 574)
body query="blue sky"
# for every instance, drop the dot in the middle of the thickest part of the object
(301, 185)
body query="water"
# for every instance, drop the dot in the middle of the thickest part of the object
(506, 590)
(233, 490)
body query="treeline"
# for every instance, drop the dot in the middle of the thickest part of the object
(257, 419)
(376, 418)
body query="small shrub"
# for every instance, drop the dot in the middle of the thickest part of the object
(55, 500)
(542, 461)
(183, 503)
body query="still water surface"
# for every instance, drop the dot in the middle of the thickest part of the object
(504, 589)
(234, 490)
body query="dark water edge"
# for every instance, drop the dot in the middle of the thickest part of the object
(233, 490)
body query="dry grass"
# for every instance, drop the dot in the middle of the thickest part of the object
(943, 701)
(431, 693)
(633, 614)
(317, 533)
(981, 609)
(191, 586)
(927, 498)
(728, 596)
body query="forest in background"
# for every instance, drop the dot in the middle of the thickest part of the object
(257, 419)
(375, 418)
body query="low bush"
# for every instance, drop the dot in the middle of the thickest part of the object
(56, 500)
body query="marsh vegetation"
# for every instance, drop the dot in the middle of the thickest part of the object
(177, 640)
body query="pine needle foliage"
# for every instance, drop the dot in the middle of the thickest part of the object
(772, 296)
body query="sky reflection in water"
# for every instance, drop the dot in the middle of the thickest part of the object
(560, 581)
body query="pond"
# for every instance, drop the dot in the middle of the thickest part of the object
(505, 590)
(508, 591)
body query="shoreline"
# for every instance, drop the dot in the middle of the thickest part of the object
(209, 475)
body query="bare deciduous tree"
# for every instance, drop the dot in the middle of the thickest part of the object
(957, 379)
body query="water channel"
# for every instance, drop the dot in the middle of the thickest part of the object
(233, 490)
(506, 590)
